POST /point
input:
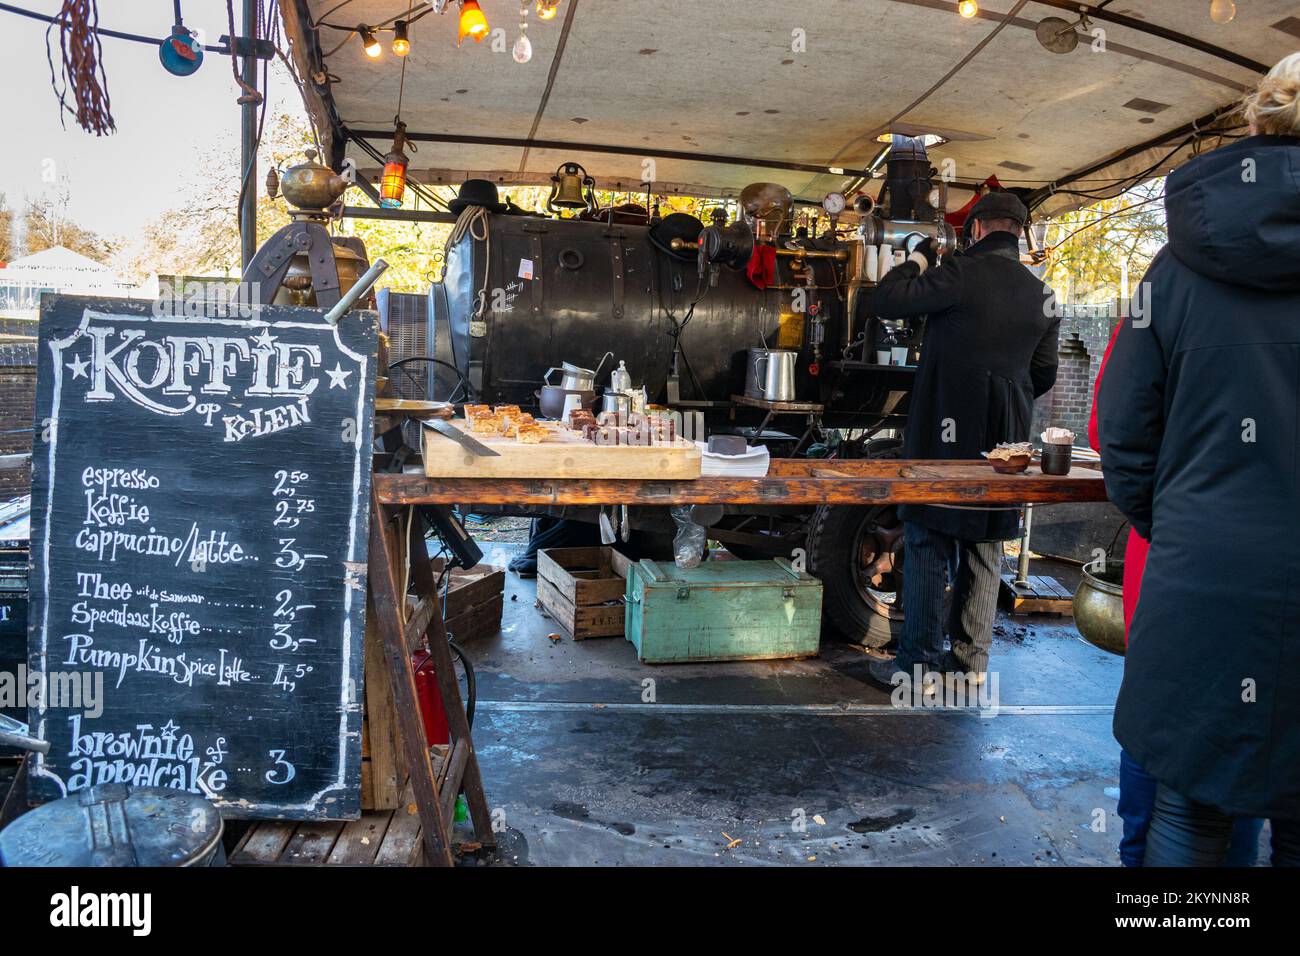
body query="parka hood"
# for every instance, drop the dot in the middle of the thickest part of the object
(1234, 213)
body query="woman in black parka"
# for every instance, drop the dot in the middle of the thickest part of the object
(1199, 421)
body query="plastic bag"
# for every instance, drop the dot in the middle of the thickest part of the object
(690, 540)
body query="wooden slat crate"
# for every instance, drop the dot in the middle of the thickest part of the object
(475, 600)
(576, 585)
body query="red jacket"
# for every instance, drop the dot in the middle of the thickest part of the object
(1135, 552)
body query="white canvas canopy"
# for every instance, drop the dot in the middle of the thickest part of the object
(686, 83)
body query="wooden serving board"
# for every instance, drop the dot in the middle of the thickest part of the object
(564, 454)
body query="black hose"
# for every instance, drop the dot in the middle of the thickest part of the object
(471, 685)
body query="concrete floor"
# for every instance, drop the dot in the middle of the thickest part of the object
(802, 762)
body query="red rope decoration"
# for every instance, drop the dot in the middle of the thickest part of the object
(82, 75)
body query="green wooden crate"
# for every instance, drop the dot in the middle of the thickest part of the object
(722, 611)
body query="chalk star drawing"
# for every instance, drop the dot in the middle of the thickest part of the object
(338, 377)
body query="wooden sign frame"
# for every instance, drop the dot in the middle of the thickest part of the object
(222, 411)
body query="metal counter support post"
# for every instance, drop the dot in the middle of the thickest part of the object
(1022, 565)
(248, 142)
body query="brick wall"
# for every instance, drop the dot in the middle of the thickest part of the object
(1085, 332)
(17, 401)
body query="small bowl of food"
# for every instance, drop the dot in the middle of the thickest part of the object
(1010, 458)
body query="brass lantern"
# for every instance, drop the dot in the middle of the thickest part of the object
(572, 188)
(393, 182)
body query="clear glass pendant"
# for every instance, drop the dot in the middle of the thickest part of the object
(523, 49)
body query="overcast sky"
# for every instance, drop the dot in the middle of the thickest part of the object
(164, 122)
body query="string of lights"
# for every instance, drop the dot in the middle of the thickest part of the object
(472, 22)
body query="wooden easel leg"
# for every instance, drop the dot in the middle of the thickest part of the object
(389, 606)
(457, 724)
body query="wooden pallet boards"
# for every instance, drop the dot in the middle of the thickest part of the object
(1040, 594)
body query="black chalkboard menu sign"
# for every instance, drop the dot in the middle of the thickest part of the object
(199, 527)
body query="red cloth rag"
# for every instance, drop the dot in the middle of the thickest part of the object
(762, 266)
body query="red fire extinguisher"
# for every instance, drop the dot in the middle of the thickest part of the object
(426, 692)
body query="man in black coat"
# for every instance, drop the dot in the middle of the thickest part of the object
(989, 350)
(1198, 416)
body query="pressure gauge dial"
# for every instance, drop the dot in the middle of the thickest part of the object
(834, 203)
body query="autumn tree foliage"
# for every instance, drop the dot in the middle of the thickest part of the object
(1100, 252)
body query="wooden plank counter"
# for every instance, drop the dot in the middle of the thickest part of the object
(788, 482)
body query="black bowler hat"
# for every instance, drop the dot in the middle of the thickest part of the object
(677, 225)
(476, 192)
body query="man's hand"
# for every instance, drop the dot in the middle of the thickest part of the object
(924, 255)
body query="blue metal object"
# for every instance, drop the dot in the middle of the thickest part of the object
(181, 53)
(115, 825)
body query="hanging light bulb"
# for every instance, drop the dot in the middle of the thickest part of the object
(473, 23)
(968, 8)
(1222, 11)
(392, 184)
(546, 9)
(401, 38)
(369, 41)
(523, 49)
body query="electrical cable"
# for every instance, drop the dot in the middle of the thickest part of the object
(471, 682)
(1135, 178)
(1126, 212)
(436, 202)
(102, 31)
(336, 7)
(406, 565)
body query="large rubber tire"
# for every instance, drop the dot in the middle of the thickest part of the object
(834, 542)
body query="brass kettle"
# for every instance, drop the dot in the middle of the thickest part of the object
(312, 186)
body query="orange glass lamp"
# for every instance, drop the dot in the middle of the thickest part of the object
(392, 184)
(473, 23)
(546, 9)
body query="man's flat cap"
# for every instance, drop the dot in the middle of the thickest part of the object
(999, 205)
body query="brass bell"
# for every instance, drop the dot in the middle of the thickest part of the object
(567, 189)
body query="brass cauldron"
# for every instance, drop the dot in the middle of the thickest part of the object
(296, 288)
(1099, 605)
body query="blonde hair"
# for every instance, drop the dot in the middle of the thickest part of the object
(1274, 107)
